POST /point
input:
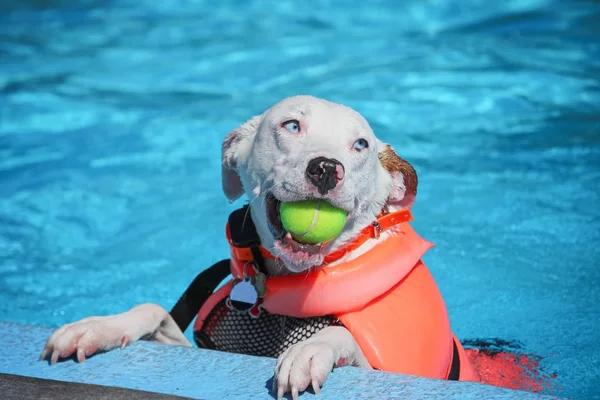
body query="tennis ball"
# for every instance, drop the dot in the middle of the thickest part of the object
(312, 221)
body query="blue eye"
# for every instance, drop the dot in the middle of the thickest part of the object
(361, 144)
(291, 126)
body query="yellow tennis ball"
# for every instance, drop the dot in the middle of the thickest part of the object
(312, 221)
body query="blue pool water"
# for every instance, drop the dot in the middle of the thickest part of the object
(112, 115)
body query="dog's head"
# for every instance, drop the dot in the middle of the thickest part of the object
(304, 148)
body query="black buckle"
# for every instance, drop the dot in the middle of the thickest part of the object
(243, 234)
(242, 229)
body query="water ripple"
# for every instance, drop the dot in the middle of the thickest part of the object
(112, 115)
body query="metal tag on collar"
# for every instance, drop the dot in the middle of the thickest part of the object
(247, 293)
(376, 229)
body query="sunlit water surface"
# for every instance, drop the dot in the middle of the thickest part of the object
(112, 116)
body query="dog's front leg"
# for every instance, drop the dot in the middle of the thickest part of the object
(309, 362)
(95, 334)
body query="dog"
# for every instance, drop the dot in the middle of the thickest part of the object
(301, 148)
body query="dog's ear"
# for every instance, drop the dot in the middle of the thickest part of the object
(404, 177)
(236, 144)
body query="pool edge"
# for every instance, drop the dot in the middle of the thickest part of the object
(185, 372)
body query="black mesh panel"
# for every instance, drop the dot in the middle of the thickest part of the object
(268, 336)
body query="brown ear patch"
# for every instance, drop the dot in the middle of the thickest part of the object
(229, 142)
(232, 141)
(393, 163)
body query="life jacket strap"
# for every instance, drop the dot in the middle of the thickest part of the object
(190, 302)
(454, 373)
(242, 236)
(242, 233)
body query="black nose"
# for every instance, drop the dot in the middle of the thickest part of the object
(324, 173)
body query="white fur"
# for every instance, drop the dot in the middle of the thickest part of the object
(261, 157)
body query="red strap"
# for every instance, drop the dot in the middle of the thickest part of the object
(373, 231)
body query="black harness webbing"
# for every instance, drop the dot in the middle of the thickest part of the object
(190, 302)
(243, 234)
(454, 373)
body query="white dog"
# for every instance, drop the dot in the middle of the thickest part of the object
(301, 148)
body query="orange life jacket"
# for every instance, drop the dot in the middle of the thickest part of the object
(386, 298)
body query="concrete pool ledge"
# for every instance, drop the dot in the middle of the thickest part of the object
(199, 374)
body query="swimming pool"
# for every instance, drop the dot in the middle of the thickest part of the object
(112, 116)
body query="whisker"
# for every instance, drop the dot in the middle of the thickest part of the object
(267, 191)
(262, 194)
(246, 214)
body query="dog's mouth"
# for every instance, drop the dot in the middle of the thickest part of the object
(284, 242)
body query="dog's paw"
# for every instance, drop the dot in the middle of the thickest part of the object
(303, 364)
(310, 362)
(84, 338)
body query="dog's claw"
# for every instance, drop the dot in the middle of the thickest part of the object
(43, 355)
(54, 357)
(80, 354)
(308, 363)
(315, 386)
